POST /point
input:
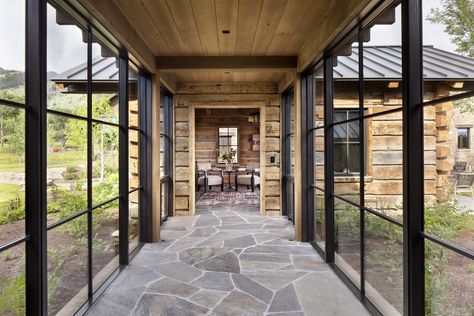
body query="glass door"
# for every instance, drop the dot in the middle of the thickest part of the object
(166, 145)
(288, 154)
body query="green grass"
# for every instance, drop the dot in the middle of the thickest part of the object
(8, 192)
(9, 162)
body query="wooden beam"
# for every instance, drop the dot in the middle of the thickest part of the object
(226, 87)
(225, 62)
(336, 21)
(287, 80)
(112, 19)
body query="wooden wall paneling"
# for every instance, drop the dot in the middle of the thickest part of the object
(226, 11)
(206, 21)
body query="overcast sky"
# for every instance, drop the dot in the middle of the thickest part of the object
(66, 49)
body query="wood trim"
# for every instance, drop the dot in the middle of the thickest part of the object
(287, 80)
(226, 87)
(225, 62)
(155, 138)
(192, 136)
(298, 161)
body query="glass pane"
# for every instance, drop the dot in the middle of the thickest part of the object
(133, 119)
(12, 281)
(164, 203)
(12, 169)
(67, 266)
(319, 157)
(105, 242)
(67, 166)
(340, 158)
(384, 264)
(134, 152)
(105, 75)
(105, 158)
(447, 48)
(319, 219)
(382, 62)
(384, 168)
(12, 60)
(66, 64)
(353, 163)
(319, 97)
(449, 282)
(347, 243)
(449, 176)
(340, 133)
(162, 155)
(134, 220)
(346, 75)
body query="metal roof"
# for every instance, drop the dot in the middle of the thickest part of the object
(385, 63)
(104, 69)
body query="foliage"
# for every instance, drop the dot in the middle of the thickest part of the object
(465, 105)
(458, 18)
(228, 155)
(12, 300)
(12, 206)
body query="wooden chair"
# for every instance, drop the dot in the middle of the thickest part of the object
(208, 176)
(464, 183)
(249, 177)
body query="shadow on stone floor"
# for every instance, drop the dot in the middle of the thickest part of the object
(227, 261)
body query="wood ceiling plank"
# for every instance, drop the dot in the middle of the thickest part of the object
(288, 25)
(226, 62)
(160, 15)
(183, 17)
(340, 16)
(247, 20)
(308, 25)
(134, 12)
(206, 21)
(226, 12)
(272, 10)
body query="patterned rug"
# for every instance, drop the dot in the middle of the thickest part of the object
(228, 197)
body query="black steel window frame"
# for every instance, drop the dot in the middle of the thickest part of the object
(465, 143)
(288, 183)
(167, 134)
(413, 158)
(35, 107)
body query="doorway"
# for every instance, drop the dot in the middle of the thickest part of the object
(227, 156)
(288, 154)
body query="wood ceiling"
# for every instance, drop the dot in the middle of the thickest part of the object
(199, 27)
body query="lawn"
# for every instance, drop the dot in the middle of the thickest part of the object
(8, 192)
(9, 162)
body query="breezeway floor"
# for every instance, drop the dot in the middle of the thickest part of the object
(227, 260)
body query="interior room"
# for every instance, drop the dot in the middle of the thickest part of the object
(227, 152)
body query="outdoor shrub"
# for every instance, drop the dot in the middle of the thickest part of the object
(70, 169)
(12, 300)
(14, 212)
(71, 176)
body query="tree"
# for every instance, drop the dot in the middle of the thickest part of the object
(458, 18)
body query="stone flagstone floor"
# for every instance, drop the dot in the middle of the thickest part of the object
(227, 260)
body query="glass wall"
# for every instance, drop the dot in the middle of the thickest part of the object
(366, 143)
(288, 154)
(166, 143)
(72, 146)
(449, 158)
(12, 157)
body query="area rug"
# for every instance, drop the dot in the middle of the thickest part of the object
(228, 197)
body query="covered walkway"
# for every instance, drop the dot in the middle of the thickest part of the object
(227, 260)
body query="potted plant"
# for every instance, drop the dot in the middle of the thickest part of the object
(228, 156)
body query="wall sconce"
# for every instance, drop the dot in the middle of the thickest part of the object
(393, 84)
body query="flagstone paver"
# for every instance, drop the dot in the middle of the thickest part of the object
(227, 260)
